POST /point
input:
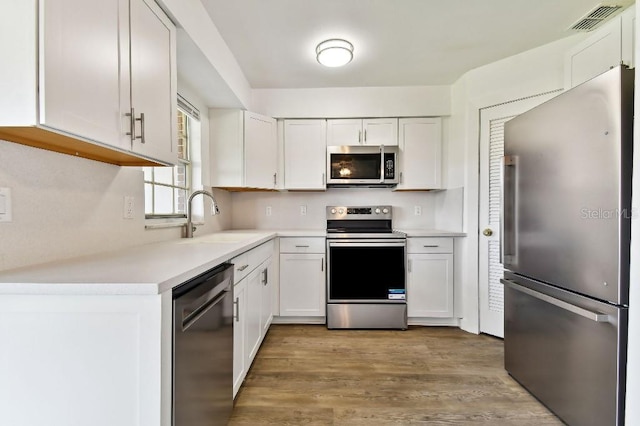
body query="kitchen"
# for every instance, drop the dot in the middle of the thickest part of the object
(75, 207)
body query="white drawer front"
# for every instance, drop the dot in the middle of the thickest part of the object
(250, 260)
(302, 245)
(240, 267)
(430, 245)
(260, 254)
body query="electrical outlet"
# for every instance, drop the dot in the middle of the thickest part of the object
(129, 202)
(417, 210)
(303, 210)
(268, 211)
(5, 205)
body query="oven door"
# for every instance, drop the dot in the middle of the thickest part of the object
(366, 271)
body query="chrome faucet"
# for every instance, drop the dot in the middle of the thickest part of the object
(189, 228)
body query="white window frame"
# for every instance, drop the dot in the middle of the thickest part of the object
(179, 202)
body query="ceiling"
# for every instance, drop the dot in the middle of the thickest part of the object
(397, 42)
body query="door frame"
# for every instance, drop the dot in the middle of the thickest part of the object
(490, 321)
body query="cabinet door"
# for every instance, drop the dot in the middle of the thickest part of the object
(420, 141)
(380, 131)
(344, 132)
(302, 285)
(260, 151)
(254, 305)
(266, 313)
(594, 55)
(240, 366)
(82, 44)
(305, 154)
(430, 285)
(153, 82)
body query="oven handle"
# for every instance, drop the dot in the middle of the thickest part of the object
(376, 243)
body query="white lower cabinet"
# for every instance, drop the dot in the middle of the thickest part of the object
(430, 278)
(253, 308)
(302, 277)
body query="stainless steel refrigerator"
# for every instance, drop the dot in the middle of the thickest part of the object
(565, 247)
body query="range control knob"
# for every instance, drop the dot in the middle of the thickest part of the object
(333, 211)
(385, 210)
(340, 211)
(377, 211)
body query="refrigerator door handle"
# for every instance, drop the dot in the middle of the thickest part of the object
(508, 217)
(593, 316)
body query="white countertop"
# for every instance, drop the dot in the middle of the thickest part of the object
(149, 268)
(431, 233)
(145, 269)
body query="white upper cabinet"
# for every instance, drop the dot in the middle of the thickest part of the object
(152, 49)
(70, 90)
(244, 149)
(607, 47)
(380, 131)
(420, 158)
(305, 153)
(371, 131)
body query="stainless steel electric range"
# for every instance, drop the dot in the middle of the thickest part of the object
(366, 264)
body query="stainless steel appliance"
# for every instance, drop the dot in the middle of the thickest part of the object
(203, 349)
(366, 260)
(373, 166)
(566, 239)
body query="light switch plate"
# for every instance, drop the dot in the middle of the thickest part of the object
(5, 205)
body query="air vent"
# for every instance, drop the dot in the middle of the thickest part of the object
(596, 17)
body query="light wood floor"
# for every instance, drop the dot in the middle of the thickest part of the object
(308, 375)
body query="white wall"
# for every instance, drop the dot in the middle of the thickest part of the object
(249, 208)
(353, 102)
(529, 73)
(65, 206)
(633, 353)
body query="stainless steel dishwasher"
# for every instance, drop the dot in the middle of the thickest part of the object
(203, 349)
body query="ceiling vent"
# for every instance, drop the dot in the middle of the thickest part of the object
(596, 17)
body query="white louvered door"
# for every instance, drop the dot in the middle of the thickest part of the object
(490, 269)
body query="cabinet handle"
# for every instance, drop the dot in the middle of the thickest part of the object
(409, 265)
(400, 177)
(433, 246)
(237, 303)
(243, 267)
(365, 135)
(302, 246)
(141, 120)
(265, 277)
(132, 124)
(275, 179)
(359, 136)
(322, 264)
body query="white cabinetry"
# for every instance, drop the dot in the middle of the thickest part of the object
(239, 341)
(368, 131)
(607, 47)
(110, 355)
(253, 293)
(420, 142)
(70, 89)
(305, 154)
(302, 277)
(258, 301)
(430, 277)
(244, 149)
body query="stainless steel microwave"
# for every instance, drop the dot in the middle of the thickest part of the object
(362, 165)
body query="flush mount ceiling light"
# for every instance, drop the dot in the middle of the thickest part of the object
(334, 52)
